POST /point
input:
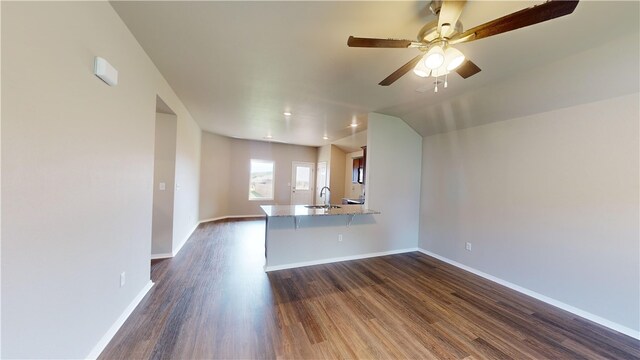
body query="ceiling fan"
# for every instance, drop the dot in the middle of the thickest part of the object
(436, 38)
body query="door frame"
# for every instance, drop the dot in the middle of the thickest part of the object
(316, 194)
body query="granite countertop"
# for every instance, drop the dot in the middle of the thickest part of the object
(301, 210)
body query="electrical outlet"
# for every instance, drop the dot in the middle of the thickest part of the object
(339, 237)
(467, 246)
(123, 278)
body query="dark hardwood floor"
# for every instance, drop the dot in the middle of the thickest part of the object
(213, 300)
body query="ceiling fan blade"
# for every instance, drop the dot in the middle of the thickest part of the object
(377, 43)
(468, 68)
(400, 72)
(449, 13)
(536, 14)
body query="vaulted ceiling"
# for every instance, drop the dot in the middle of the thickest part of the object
(238, 66)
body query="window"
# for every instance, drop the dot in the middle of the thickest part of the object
(303, 177)
(261, 180)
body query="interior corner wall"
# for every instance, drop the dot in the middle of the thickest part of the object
(336, 178)
(324, 154)
(214, 176)
(548, 201)
(187, 187)
(393, 148)
(77, 175)
(233, 158)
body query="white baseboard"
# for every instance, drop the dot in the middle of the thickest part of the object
(230, 217)
(212, 219)
(177, 249)
(106, 338)
(559, 304)
(336, 259)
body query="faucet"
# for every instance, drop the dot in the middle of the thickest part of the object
(326, 194)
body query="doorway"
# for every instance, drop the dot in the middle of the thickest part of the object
(164, 171)
(302, 175)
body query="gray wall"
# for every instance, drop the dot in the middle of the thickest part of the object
(229, 196)
(164, 171)
(393, 149)
(549, 203)
(77, 175)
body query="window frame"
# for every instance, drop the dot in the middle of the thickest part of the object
(273, 179)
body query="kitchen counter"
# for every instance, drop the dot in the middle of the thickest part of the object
(299, 236)
(301, 210)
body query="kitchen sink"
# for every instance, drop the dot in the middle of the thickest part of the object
(322, 206)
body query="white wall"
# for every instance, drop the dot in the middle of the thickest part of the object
(236, 184)
(242, 151)
(548, 201)
(214, 176)
(336, 174)
(392, 184)
(77, 175)
(335, 159)
(324, 155)
(164, 171)
(187, 190)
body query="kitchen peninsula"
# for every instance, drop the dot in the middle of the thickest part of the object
(299, 235)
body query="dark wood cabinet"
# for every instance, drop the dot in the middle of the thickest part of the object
(359, 166)
(363, 162)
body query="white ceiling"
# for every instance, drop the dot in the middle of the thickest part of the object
(238, 66)
(353, 142)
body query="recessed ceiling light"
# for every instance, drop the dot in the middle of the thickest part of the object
(354, 125)
(268, 137)
(286, 113)
(325, 137)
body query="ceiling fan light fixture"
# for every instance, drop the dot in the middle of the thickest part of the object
(454, 58)
(441, 71)
(445, 30)
(421, 73)
(421, 70)
(434, 57)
